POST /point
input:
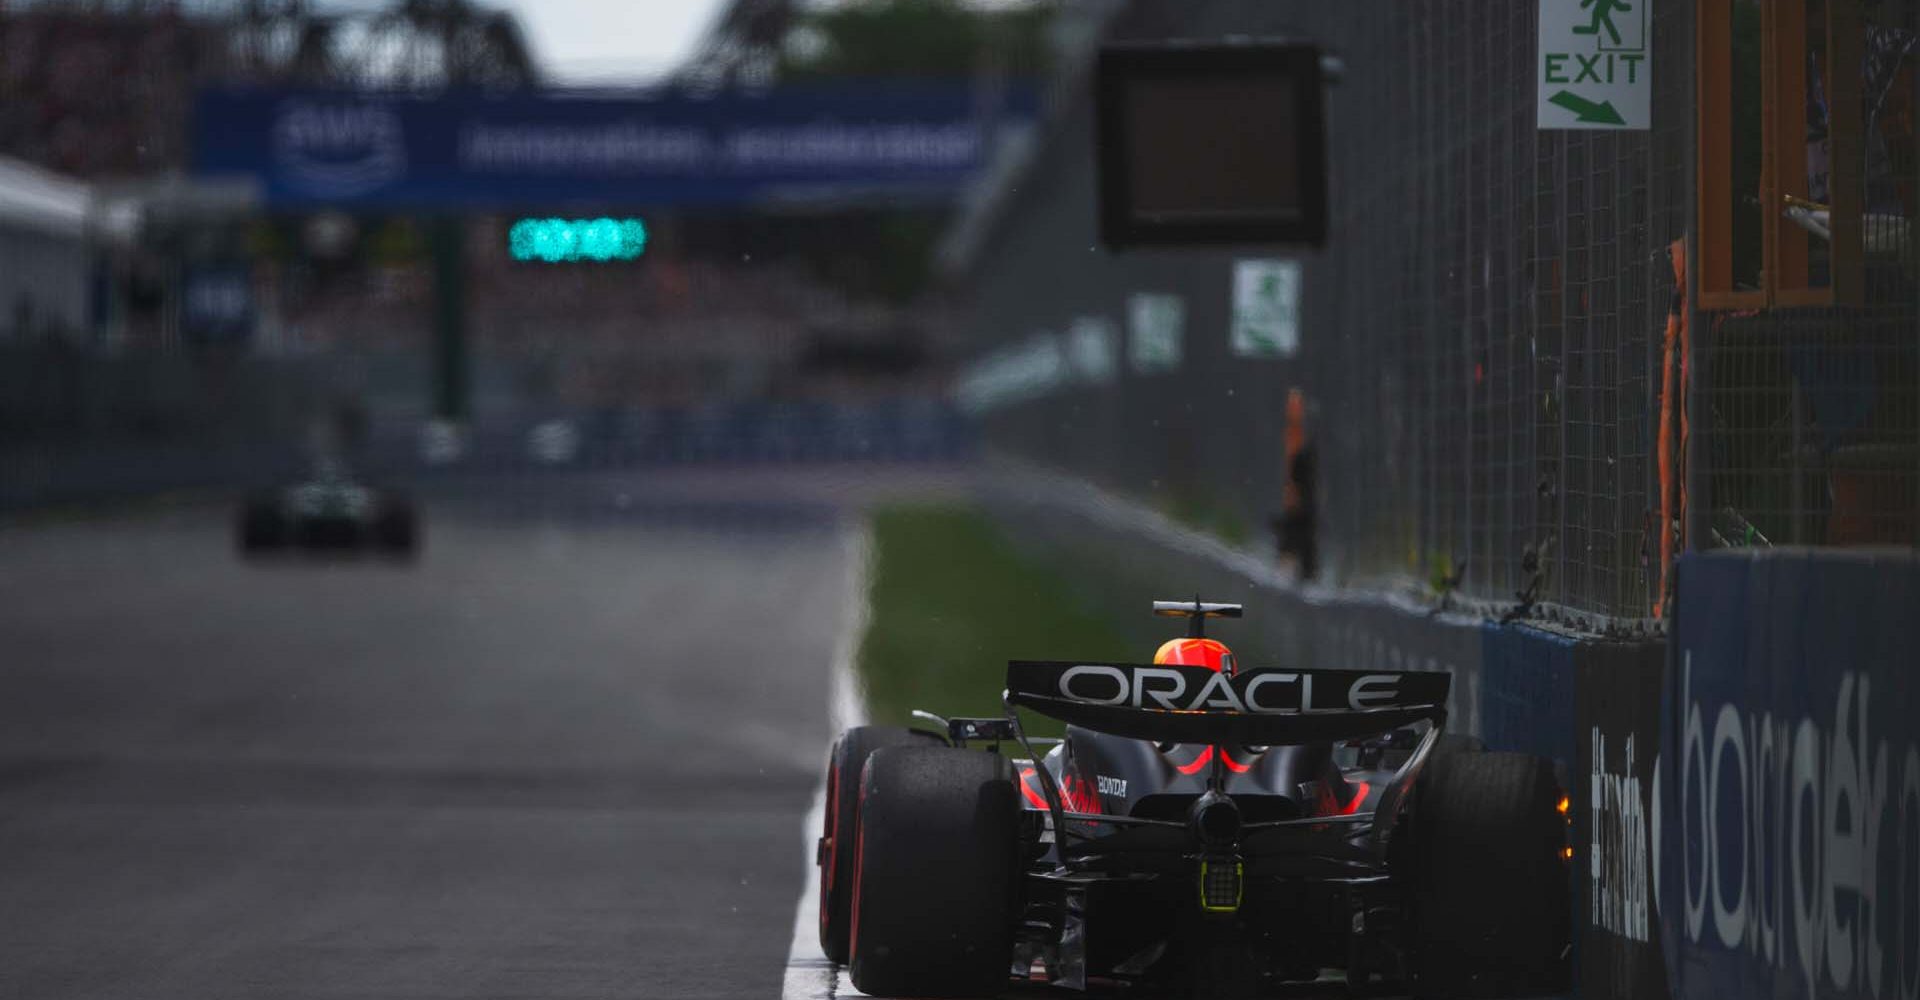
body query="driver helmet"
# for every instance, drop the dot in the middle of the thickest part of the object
(1210, 653)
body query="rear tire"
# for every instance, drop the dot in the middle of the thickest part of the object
(835, 855)
(261, 526)
(936, 881)
(1450, 747)
(1490, 898)
(397, 528)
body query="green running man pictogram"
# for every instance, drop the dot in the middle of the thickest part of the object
(1603, 11)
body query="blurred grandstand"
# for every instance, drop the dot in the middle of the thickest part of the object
(184, 313)
(102, 89)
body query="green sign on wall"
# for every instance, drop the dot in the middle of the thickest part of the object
(1595, 65)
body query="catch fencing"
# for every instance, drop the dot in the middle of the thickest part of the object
(1492, 345)
(1812, 406)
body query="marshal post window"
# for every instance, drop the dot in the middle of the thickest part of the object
(1780, 153)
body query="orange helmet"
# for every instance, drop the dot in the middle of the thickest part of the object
(1209, 653)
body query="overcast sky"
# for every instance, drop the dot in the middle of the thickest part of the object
(612, 41)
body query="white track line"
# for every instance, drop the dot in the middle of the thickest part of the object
(809, 975)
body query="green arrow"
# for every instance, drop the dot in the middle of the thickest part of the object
(1601, 114)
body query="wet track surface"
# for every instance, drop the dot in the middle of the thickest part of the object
(566, 754)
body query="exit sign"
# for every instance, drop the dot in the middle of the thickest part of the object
(1595, 65)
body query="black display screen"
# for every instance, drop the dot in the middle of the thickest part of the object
(1211, 145)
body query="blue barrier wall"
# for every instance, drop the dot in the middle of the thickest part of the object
(1527, 693)
(1789, 788)
(1528, 703)
(883, 430)
(86, 469)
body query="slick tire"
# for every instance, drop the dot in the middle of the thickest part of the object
(1490, 897)
(1450, 747)
(397, 529)
(835, 855)
(936, 874)
(261, 527)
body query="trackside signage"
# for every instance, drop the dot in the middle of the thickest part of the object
(1594, 65)
(1788, 794)
(1617, 721)
(1155, 325)
(1266, 309)
(472, 150)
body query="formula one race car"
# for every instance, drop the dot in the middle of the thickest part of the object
(331, 512)
(1202, 829)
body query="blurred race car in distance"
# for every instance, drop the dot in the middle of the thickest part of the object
(1203, 829)
(330, 512)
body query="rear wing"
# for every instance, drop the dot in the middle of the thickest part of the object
(1262, 707)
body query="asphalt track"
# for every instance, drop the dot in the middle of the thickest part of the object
(567, 754)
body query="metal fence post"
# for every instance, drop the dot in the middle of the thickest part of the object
(1699, 520)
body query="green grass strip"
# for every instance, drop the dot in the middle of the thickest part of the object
(951, 603)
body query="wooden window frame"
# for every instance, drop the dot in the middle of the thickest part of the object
(1784, 250)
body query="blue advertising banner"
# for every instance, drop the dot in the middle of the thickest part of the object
(556, 150)
(1787, 804)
